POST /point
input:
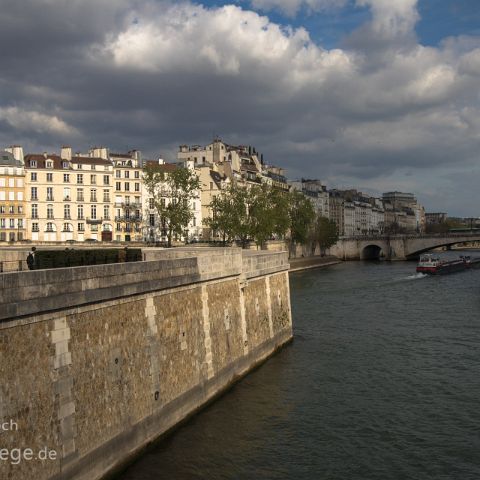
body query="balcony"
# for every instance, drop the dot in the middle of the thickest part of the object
(94, 221)
(132, 219)
(67, 199)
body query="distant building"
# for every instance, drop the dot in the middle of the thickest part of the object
(356, 213)
(316, 191)
(12, 197)
(435, 218)
(403, 213)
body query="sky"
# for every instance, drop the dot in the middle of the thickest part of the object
(378, 95)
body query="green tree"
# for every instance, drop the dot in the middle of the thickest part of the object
(228, 210)
(245, 213)
(172, 193)
(324, 234)
(268, 213)
(302, 215)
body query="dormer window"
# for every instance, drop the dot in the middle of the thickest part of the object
(79, 166)
(33, 163)
(65, 165)
(92, 167)
(49, 164)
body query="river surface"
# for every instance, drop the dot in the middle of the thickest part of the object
(381, 382)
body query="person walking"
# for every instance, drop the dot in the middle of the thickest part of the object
(31, 259)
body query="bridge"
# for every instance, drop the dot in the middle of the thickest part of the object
(396, 247)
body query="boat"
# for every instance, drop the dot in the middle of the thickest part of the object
(434, 265)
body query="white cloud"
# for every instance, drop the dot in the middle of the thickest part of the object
(31, 121)
(392, 17)
(291, 7)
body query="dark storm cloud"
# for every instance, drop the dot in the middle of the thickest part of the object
(152, 75)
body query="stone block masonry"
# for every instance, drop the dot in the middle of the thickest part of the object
(96, 362)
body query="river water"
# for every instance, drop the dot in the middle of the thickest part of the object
(381, 382)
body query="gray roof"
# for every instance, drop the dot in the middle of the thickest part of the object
(8, 160)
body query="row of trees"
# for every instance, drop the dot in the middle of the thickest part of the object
(257, 214)
(261, 212)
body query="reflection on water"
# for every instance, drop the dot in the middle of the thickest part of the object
(381, 382)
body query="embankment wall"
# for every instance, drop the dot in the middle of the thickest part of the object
(96, 362)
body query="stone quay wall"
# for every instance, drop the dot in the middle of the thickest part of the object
(96, 362)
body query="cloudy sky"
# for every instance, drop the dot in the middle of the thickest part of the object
(374, 94)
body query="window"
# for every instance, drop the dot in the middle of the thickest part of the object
(106, 180)
(2, 208)
(48, 164)
(93, 211)
(35, 227)
(80, 195)
(79, 178)
(20, 222)
(93, 195)
(118, 186)
(33, 163)
(11, 209)
(66, 194)
(50, 212)
(34, 210)
(50, 227)
(80, 212)
(12, 223)
(33, 176)
(81, 227)
(20, 209)
(118, 174)
(106, 196)
(66, 212)
(137, 174)
(94, 228)
(127, 200)
(66, 178)
(65, 165)
(118, 228)
(79, 166)
(151, 220)
(2, 223)
(92, 166)
(93, 179)
(49, 177)
(127, 174)
(34, 193)
(127, 187)
(49, 194)
(106, 213)
(137, 187)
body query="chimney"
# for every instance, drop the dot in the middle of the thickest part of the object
(16, 151)
(66, 153)
(99, 152)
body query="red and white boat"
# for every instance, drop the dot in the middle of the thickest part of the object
(434, 265)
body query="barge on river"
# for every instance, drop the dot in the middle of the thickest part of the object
(434, 265)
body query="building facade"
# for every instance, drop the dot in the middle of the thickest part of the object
(12, 195)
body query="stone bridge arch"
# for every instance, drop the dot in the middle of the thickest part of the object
(371, 251)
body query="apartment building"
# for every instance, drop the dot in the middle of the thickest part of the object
(12, 196)
(128, 173)
(316, 191)
(69, 197)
